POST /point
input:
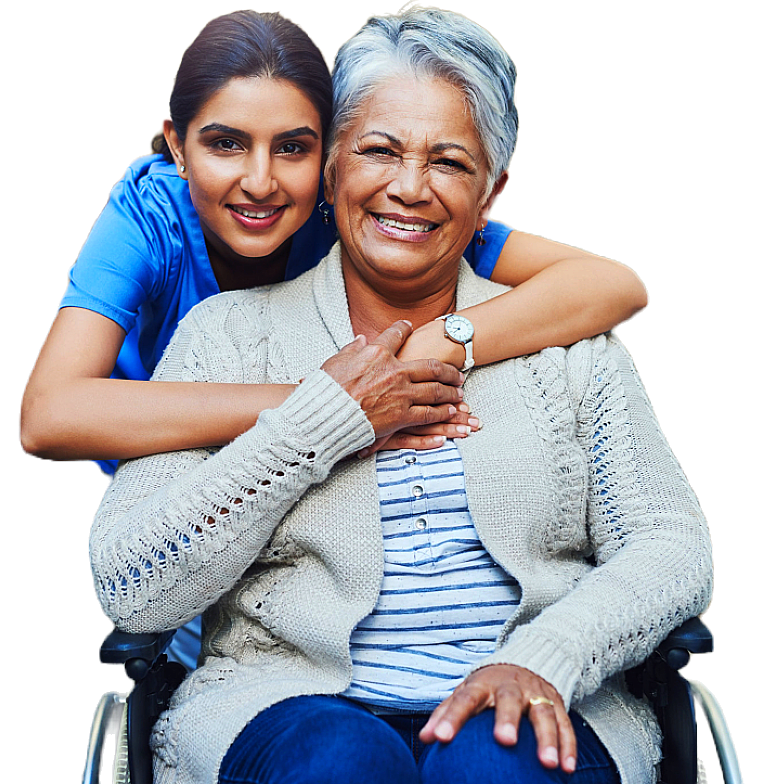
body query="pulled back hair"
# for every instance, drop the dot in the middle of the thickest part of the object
(246, 44)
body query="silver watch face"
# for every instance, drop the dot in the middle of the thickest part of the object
(459, 328)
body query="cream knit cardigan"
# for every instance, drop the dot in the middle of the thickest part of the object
(570, 483)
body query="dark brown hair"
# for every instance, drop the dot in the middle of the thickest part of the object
(246, 44)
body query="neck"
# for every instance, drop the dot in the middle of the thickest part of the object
(235, 272)
(374, 307)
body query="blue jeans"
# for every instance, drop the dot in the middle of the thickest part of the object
(331, 740)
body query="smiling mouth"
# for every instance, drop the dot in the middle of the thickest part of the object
(411, 226)
(254, 213)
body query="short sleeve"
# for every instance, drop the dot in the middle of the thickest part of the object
(484, 257)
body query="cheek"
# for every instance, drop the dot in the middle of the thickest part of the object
(207, 185)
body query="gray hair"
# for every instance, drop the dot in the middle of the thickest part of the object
(434, 43)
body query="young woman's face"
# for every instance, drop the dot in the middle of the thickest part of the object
(252, 159)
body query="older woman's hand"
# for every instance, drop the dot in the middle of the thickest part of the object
(394, 394)
(511, 691)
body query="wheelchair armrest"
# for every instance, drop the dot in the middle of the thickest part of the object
(138, 652)
(692, 637)
(653, 677)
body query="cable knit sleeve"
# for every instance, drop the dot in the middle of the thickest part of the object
(651, 549)
(175, 531)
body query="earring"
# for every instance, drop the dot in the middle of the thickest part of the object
(480, 239)
(182, 168)
(324, 212)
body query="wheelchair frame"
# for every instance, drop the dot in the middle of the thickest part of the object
(119, 751)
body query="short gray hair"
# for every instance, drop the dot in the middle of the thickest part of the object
(434, 43)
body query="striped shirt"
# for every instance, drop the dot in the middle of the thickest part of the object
(443, 599)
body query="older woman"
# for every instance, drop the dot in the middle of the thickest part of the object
(453, 597)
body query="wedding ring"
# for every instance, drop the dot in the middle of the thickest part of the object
(541, 701)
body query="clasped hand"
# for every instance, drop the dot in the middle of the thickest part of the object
(508, 689)
(395, 395)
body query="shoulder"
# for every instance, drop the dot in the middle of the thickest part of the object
(474, 289)
(224, 338)
(231, 312)
(154, 185)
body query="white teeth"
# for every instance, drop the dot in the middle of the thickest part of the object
(395, 224)
(250, 214)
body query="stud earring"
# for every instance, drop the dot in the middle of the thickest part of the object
(182, 168)
(480, 239)
(324, 212)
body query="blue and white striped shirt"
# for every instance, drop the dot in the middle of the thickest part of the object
(443, 599)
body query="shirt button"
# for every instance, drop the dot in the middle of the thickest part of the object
(417, 491)
(420, 523)
(410, 459)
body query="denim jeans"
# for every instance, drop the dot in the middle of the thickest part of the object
(331, 740)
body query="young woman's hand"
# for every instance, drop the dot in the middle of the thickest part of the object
(511, 691)
(460, 425)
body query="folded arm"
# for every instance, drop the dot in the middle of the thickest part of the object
(651, 545)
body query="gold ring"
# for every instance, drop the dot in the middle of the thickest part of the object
(541, 701)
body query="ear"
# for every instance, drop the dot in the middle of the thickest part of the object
(175, 147)
(497, 189)
(329, 178)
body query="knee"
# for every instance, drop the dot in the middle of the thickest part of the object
(475, 757)
(320, 740)
(356, 747)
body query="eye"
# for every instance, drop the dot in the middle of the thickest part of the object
(290, 148)
(226, 145)
(451, 163)
(379, 151)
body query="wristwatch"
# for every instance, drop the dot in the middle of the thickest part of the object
(460, 330)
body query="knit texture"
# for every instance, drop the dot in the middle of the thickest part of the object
(571, 486)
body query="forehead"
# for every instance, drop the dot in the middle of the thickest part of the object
(259, 102)
(418, 110)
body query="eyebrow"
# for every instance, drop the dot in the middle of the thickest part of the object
(437, 148)
(303, 130)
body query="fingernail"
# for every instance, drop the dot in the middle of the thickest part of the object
(571, 764)
(510, 734)
(409, 323)
(550, 755)
(363, 453)
(439, 439)
(464, 407)
(474, 422)
(463, 429)
(444, 731)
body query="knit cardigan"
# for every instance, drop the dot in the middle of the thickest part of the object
(277, 538)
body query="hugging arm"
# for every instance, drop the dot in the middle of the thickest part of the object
(560, 295)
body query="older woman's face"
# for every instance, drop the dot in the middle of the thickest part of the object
(408, 180)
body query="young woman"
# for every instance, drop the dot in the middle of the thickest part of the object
(230, 203)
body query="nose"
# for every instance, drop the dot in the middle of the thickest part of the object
(258, 178)
(410, 183)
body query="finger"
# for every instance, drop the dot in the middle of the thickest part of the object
(508, 710)
(434, 393)
(543, 718)
(406, 441)
(567, 741)
(393, 337)
(463, 703)
(426, 415)
(458, 418)
(420, 370)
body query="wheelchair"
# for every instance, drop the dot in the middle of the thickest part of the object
(119, 751)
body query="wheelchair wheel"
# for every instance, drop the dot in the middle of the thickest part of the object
(121, 756)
